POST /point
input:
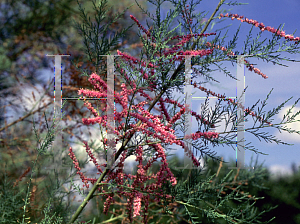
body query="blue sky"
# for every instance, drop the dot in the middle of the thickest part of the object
(284, 80)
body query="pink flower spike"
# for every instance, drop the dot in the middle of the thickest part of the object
(260, 25)
(137, 205)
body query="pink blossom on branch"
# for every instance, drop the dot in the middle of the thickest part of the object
(162, 131)
(261, 26)
(137, 205)
(248, 65)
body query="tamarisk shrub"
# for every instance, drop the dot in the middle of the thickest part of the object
(137, 188)
(166, 137)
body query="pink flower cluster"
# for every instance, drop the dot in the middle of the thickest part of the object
(160, 131)
(132, 60)
(173, 50)
(137, 205)
(207, 135)
(191, 35)
(261, 26)
(186, 39)
(141, 27)
(84, 179)
(218, 47)
(176, 37)
(187, 15)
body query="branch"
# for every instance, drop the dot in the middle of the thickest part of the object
(27, 115)
(194, 45)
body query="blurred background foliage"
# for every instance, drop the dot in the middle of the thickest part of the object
(30, 29)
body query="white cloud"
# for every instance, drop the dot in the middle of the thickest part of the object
(279, 170)
(285, 135)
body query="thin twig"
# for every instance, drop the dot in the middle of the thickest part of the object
(27, 115)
